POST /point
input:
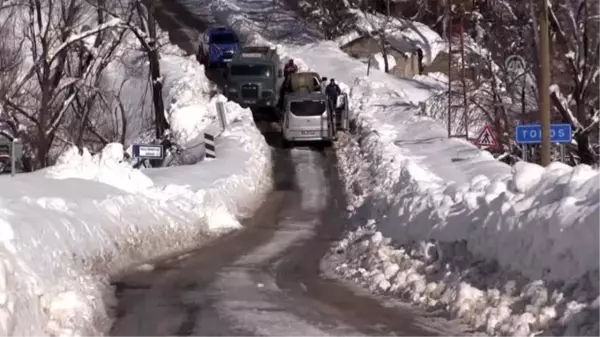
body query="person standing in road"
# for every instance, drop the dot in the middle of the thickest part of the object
(290, 68)
(332, 91)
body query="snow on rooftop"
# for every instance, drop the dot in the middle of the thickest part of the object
(414, 32)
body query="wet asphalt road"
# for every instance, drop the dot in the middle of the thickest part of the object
(264, 279)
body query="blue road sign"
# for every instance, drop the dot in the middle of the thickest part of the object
(147, 151)
(532, 133)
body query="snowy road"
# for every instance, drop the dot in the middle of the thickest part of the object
(265, 279)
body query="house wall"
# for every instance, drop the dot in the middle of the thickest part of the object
(366, 47)
(406, 66)
(440, 64)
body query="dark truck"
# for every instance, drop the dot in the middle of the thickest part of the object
(254, 77)
(219, 44)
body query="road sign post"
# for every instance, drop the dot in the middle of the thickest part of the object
(13, 157)
(12, 151)
(561, 134)
(222, 116)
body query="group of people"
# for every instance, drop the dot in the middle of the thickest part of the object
(332, 90)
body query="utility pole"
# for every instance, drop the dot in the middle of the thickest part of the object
(448, 19)
(544, 82)
(463, 74)
(161, 123)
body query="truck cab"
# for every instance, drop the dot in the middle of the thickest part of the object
(219, 44)
(254, 77)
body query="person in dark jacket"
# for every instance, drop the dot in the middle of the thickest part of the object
(290, 68)
(332, 90)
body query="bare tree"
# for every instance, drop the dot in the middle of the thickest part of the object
(145, 30)
(10, 63)
(332, 18)
(63, 72)
(574, 26)
(380, 26)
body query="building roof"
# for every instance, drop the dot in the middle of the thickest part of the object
(397, 43)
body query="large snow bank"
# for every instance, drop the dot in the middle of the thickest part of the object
(511, 256)
(65, 229)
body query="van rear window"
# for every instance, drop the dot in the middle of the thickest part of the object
(307, 108)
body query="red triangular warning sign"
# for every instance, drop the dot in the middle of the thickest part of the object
(486, 138)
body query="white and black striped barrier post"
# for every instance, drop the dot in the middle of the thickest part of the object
(210, 150)
(221, 115)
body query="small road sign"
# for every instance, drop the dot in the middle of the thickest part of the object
(532, 133)
(515, 65)
(486, 138)
(148, 151)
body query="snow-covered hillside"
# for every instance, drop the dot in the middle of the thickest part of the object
(515, 250)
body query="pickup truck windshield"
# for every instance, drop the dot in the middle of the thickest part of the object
(307, 108)
(250, 70)
(223, 39)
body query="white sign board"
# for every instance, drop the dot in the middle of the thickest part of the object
(148, 151)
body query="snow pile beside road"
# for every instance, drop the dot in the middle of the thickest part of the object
(513, 255)
(107, 167)
(191, 108)
(63, 230)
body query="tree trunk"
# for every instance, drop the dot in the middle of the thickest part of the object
(384, 53)
(157, 83)
(583, 148)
